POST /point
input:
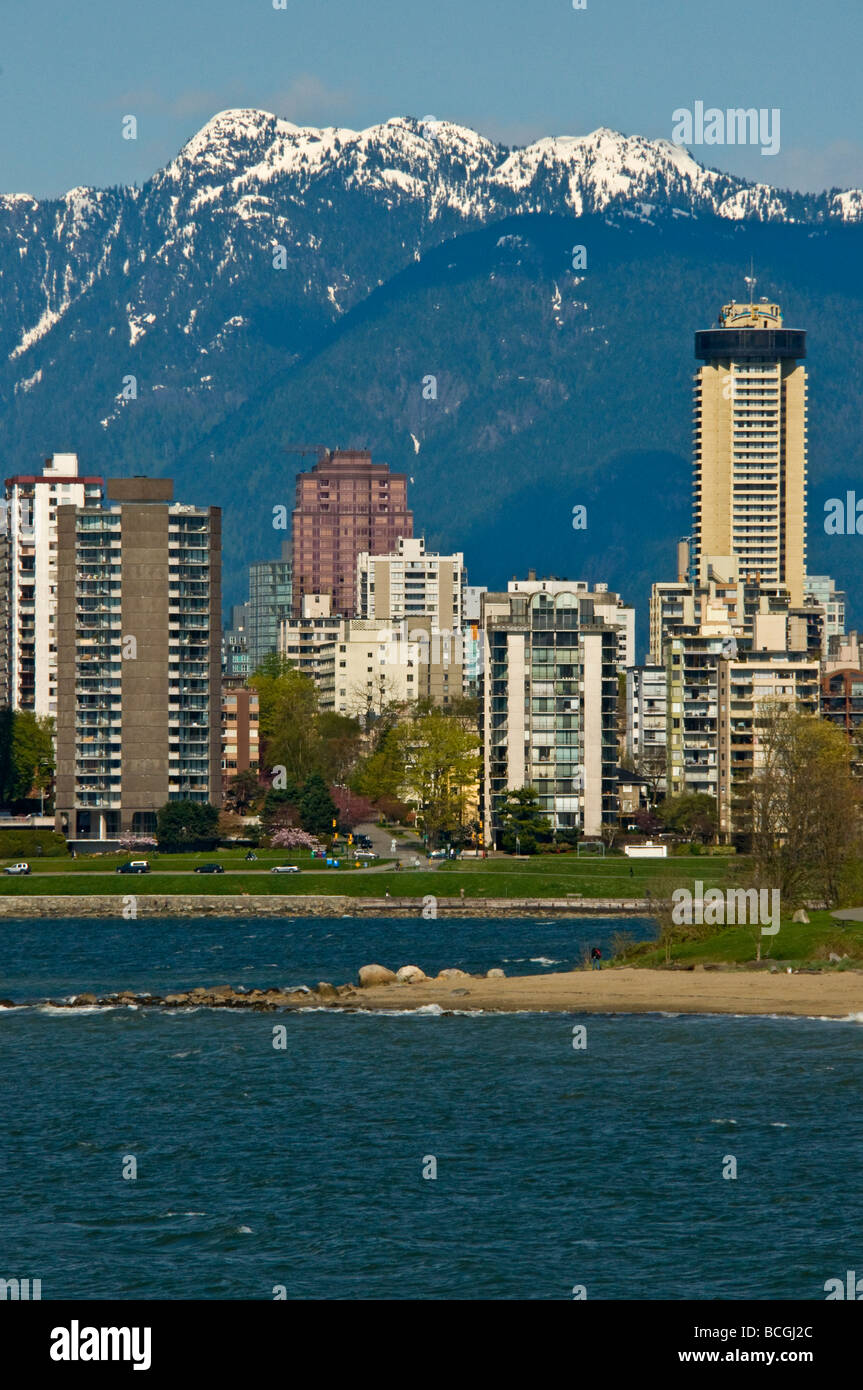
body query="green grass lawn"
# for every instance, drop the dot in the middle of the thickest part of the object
(543, 876)
(166, 863)
(794, 944)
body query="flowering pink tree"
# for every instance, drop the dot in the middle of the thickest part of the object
(137, 842)
(293, 838)
(352, 808)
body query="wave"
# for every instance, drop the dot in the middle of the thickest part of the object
(70, 1011)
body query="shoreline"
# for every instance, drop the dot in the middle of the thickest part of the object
(618, 990)
(309, 905)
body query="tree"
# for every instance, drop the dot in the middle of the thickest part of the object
(648, 822)
(382, 773)
(650, 766)
(608, 833)
(522, 821)
(288, 707)
(28, 757)
(183, 822)
(292, 838)
(372, 701)
(339, 742)
(279, 808)
(293, 742)
(440, 758)
(316, 807)
(351, 808)
(805, 814)
(243, 790)
(693, 814)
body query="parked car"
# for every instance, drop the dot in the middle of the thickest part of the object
(285, 869)
(134, 866)
(209, 868)
(18, 869)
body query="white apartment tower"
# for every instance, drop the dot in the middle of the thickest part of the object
(750, 447)
(28, 579)
(410, 583)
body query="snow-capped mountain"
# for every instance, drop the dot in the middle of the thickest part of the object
(276, 282)
(248, 183)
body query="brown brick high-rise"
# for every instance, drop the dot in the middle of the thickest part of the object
(345, 505)
(138, 659)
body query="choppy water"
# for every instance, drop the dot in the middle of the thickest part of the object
(304, 1168)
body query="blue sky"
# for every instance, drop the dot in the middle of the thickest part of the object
(513, 69)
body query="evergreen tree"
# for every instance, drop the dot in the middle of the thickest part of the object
(183, 822)
(316, 807)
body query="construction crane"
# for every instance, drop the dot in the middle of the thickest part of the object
(320, 450)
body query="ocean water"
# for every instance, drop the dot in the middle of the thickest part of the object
(260, 1169)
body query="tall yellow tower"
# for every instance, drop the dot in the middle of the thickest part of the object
(750, 447)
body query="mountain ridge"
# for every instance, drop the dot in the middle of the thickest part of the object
(276, 282)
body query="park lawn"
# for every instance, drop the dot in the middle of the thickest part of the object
(546, 876)
(795, 943)
(166, 863)
(611, 877)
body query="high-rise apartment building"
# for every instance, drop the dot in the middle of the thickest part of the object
(361, 665)
(345, 505)
(607, 606)
(719, 690)
(138, 659)
(548, 707)
(821, 593)
(751, 446)
(28, 579)
(235, 647)
(645, 714)
(411, 583)
(270, 594)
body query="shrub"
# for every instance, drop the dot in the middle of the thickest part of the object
(21, 844)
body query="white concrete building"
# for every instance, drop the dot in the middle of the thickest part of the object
(411, 583)
(608, 607)
(548, 707)
(28, 579)
(646, 701)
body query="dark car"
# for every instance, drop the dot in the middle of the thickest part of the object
(209, 868)
(135, 866)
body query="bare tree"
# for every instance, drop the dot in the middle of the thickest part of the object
(651, 766)
(805, 805)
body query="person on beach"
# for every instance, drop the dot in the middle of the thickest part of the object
(596, 958)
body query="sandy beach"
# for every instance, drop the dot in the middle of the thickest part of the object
(610, 991)
(632, 991)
